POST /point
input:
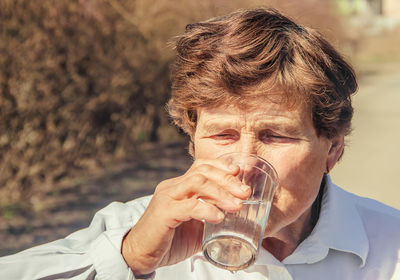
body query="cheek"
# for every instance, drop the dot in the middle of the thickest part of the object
(298, 166)
(205, 149)
(300, 172)
(204, 153)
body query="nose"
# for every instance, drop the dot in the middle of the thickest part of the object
(247, 143)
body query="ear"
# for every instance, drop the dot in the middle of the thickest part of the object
(335, 151)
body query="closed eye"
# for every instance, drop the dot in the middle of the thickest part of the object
(226, 135)
(272, 137)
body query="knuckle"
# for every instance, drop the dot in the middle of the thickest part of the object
(162, 185)
(159, 188)
(198, 179)
(204, 168)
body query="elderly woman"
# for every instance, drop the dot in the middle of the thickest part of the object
(255, 82)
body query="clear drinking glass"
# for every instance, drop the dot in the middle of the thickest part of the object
(233, 244)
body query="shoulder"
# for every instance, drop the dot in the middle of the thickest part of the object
(381, 222)
(136, 205)
(372, 210)
(117, 214)
(379, 219)
(382, 228)
(381, 225)
(365, 205)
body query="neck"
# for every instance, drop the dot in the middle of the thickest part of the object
(286, 241)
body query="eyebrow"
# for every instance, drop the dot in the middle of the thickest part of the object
(216, 126)
(287, 128)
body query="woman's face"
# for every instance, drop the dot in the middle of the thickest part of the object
(286, 138)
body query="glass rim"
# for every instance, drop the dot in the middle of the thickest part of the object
(274, 175)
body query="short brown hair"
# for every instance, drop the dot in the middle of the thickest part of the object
(241, 55)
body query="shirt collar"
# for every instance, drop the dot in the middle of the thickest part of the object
(339, 227)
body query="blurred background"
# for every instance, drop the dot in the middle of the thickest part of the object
(83, 85)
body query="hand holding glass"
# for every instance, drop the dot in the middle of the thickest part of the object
(233, 244)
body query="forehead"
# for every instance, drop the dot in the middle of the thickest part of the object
(254, 112)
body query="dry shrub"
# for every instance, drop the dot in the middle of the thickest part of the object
(74, 79)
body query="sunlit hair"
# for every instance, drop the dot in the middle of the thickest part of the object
(250, 54)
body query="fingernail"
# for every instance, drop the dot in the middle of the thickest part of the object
(220, 216)
(244, 188)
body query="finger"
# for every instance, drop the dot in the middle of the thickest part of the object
(205, 166)
(189, 209)
(199, 186)
(228, 180)
(223, 164)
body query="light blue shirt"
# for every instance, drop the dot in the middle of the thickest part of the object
(354, 238)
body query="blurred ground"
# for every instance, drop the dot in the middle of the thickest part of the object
(73, 207)
(369, 167)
